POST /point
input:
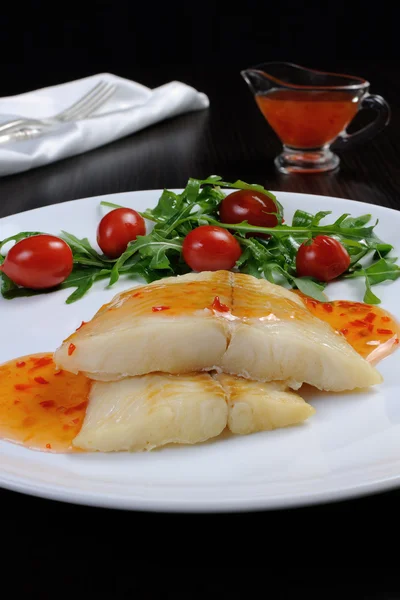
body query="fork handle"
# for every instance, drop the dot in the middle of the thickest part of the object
(17, 124)
(21, 133)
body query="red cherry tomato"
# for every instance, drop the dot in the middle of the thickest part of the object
(245, 205)
(210, 248)
(38, 262)
(325, 259)
(117, 228)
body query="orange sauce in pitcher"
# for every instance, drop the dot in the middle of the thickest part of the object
(307, 119)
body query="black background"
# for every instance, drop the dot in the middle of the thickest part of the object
(152, 42)
(44, 43)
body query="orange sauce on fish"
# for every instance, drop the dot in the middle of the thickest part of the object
(372, 331)
(41, 407)
(168, 300)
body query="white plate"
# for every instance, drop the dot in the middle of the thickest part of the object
(349, 448)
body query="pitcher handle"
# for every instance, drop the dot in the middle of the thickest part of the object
(383, 113)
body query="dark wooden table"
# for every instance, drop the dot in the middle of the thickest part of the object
(230, 139)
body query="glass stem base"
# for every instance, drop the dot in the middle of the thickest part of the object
(315, 160)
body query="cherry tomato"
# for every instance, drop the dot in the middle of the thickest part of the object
(246, 205)
(210, 248)
(117, 228)
(38, 262)
(325, 259)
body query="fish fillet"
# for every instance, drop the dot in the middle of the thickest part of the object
(176, 326)
(257, 406)
(141, 413)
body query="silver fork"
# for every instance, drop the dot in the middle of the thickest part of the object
(81, 109)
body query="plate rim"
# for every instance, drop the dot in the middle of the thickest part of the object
(178, 190)
(61, 494)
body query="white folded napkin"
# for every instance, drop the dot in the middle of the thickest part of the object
(131, 108)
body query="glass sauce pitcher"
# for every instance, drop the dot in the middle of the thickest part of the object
(310, 111)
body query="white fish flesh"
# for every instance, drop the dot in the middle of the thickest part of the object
(145, 412)
(220, 320)
(257, 406)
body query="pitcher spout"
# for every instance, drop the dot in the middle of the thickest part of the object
(257, 80)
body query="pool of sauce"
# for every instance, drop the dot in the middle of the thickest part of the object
(372, 331)
(43, 408)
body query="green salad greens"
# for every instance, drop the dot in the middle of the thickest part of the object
(159, 253)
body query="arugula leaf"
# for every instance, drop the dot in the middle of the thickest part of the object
(238, 184)
(356, 221)
(18, 237)
(270, 272)
(182, 217)
(378, 272)
(77, 277)
(8, 287)
(192, 190)
(142, 269)
(114, 206)
(153, 245)
(250, 267)
(157, 248)
(383, 270)
(356, 233)
(82, 247)
(317, 218)
(274, 273)
(301, 218)
(340, 220)
(369, 296)
(288, 247)
(110, 204)
(168, 205)
(310, 287)
(258, 261)
(256, 248)
(82, 279)
(20, 292)
(382, 249)
(91, 262)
